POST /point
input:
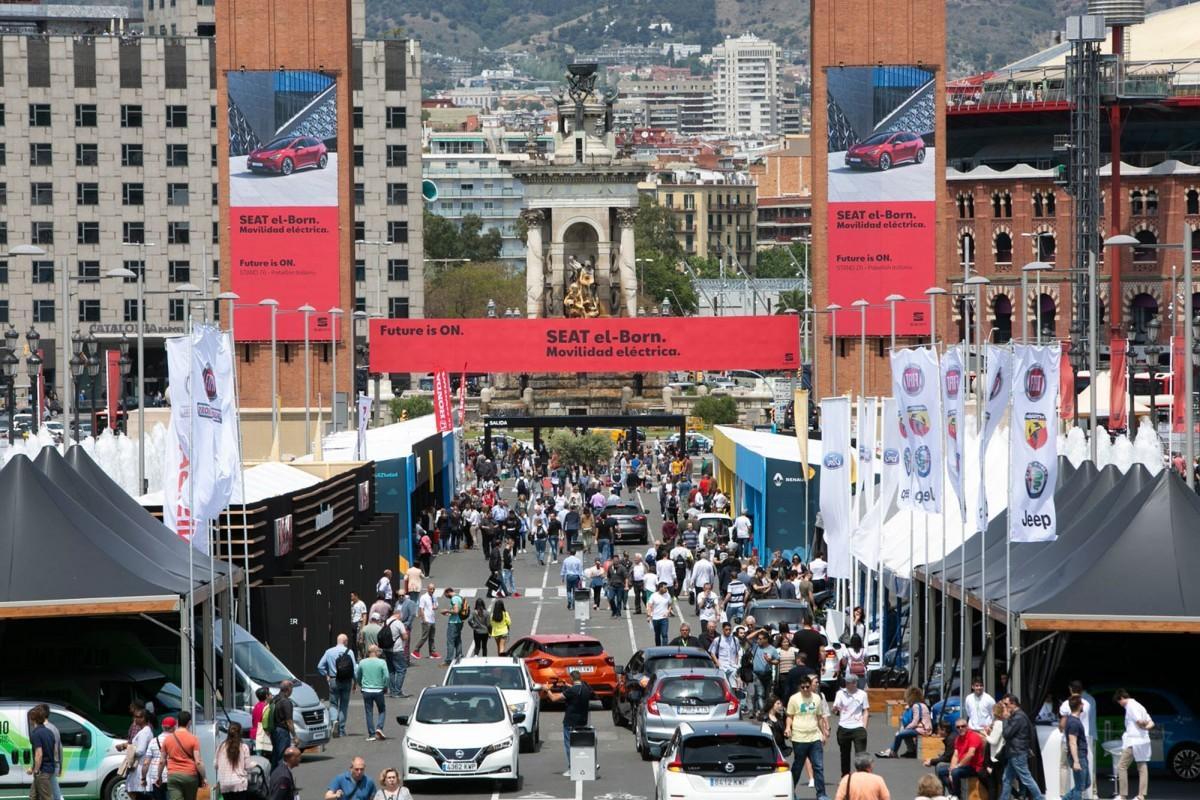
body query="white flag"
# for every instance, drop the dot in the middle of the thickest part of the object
(892, 476)
(364, 414)
(915, 386)
(999, 388)
(1033, 444)
(955, 420)
(865, 544)
(835, 484)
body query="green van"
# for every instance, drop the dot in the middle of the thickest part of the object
(90, 755)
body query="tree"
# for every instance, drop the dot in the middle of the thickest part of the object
(587, 450)
(410, 407)
(459, 291)
(791, 300)
(716, 409)
(445, 240)
(658, 254)
(777, 262)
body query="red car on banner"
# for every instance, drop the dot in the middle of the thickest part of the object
(287, 154)
(884, 150)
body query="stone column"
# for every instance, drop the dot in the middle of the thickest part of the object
(535, 261)
(626, 264)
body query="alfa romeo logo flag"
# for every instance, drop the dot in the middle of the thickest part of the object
(1033, 468)
(954, 421)
(998, 383)
(865, 435)
(915, 381)
(835, 483)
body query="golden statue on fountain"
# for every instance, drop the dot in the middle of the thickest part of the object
(581, 299)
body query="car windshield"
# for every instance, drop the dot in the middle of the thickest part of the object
(621, 510)
(678, 662)
(469, 707)
(500, 677)
(772, 617)
(692, 691)
(575, 649)
(879, 138)
(260, 664)
(276, 144)
(746, 752)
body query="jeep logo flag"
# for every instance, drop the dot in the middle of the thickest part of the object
(917, 387)
(1033, 471)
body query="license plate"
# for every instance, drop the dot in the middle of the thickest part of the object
(728, 781)
(256, 163)
(692, 710)
(459, 766)
(854, 160)
(581, 669)
(318, 735)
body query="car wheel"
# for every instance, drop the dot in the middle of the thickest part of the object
(286, 167)
(617, 719)
(921, 156)
(526, 743)
(1185, 762)
(324, 161)
(885, 162)
(511, 785)
(606, 703)
(114, 788)
(643, 747)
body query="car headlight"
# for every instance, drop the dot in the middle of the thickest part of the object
(503, 744)
(420, 747)
(515, 707)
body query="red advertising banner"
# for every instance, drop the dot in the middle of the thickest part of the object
(442, 409)
(112, 376)
(284, 223)
(617, 344)
(41, 391)
(1066, 384)
(1119, 389)
(1179, 362)
(462, 401)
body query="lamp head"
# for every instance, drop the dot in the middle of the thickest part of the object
(934, 291)
(26, 250)
(894, 298)
(33, 365)
(306, 309)
(860, 303)
(268, 301)
(229, 296)
(1121, 240)
(120, 272)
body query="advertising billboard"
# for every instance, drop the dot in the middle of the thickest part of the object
(614, 344)
(283, 198)
(881, 191)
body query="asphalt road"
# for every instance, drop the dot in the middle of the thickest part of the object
(623, 775)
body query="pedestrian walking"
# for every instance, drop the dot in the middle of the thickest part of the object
(233, 761)
(726, 651)
(282, 785)
(337, 665)
(571, 574)
(139, 754)
(577, 702)
(427, 615)
(853, 710)
(372, 676)
(1019, 741)
(618, 584)
(1135, 744)
(979, 707)
(44, 767)
(383, 587)
(499, 626)
(369, 634)
(393, 644)
(807, 728)
(353, 784)
(390, 786)
(764, 658)
(659, 610)
(455, 615)
(481, 626)
(1076, 736)
(425, 554)
(182, 762)
(594, 577)
(358, 615)
(278, 720)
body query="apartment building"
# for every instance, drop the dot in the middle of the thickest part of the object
(715, 213)
(683, 106)
(746, 89)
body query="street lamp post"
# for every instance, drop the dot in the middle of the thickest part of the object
(8, 367)
(307, 310)
(335, 315)
(833, 308)
(64, 343)
(93, 371)
(78, 365)
(273, 304)
(33, 365)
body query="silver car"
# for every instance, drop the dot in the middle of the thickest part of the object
(677, 696)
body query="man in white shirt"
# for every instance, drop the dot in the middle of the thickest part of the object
(703, 572)
(358, 613)
(720, 502)
(427, 613)
(383, 588)
(664, 569)
(819, 568)
(741, 528)
(1088, 721)
(978, 708)
(726, 650)
(853, 710)
(1135, 744)
(659, 610)
(708, 604)
(638, 579)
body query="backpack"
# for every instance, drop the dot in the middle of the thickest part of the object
(343, 667)
(463, 611)
(857, 666)
(268, 717)
(386, 639)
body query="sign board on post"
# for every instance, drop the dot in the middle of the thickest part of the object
(112, 374)
(441, 401)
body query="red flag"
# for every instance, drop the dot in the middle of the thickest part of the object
(1179, 362)
(462, 401)
(41, 393)
(1066, 385)
(112, 374)
(441, 401)
(1116, 399)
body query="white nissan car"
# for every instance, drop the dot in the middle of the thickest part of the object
(513, 678)
(723, 761)
(462, 732)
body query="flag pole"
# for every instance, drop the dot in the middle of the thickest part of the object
(978, 282)
(1009, 639)
(933, 293)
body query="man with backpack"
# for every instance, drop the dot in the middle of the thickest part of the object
(393, 643)
(337, 665)
(455, 615)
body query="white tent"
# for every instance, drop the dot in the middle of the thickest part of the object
(269, 479)
(389, 441)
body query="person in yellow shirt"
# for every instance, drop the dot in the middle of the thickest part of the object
(500, 623)
(807, 728)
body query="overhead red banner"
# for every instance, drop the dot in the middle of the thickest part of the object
(112, 374)
(617, 344)
(441, 401)
(1116, 398)
(1066, 384)
(1179, 362)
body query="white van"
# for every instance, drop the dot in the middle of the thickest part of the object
(90, 755)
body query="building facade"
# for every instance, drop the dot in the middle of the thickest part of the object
(784, 180)
(108, 158)
(746, 90)
(715, 213)
(683, 106)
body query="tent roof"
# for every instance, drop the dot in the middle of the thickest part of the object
(263, 481)
(388, 441)
(772, 445)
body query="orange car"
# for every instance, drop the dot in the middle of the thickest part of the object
(551, 657)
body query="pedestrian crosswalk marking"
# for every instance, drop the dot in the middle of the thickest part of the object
(533, 592)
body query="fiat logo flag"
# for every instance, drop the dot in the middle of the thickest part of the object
(917, 386)
(1033, 470)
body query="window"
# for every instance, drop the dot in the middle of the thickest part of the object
(1001, 204)
(3, 272)
(179, 271)
(966, 249)
(398, 307)
(357, 115)
(1145, 255)
(41, 154)
(85, 115)
(3, 232)
(87, 233)
(43, 311)
(39, 115)
(133, 233)
(3, 154)
(132, 155)
(42, 232)
(138, 268)
(4, 311)
(131, 311)
(1003, 247)
(87, 193)
(177, 116)
(89, 310)
(89, 271)
(212, 155)
(360, 270)
(212, 117)
(397, 117)
(178, 233)
(1152, 202)
(1, 115)
(397, 155)
(41, 194)
(133, 194)
(175, 309)
(177, 194)
(3, 193)
(360, 229)
(216, 232)
(87, 155)
(397, 231)
(43, 271)
(131, 116)
(360, 304)
(1191, 199)
(177, 155)
(397, 194)
(1136, 203)
(966, 206)
(358, 155)
(397, 269)
(360, 194)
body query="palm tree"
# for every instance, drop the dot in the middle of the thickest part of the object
(791, 300)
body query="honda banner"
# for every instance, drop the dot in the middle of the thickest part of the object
(203, 456)
(835, 484)
(442, 410)
(954, 401)
(1180, 361)
(1119, 387)
(112, 375)
(915, 380)
(1033, 444)
(610, 344)
(1066, 384)
(363, 408)
(462, 401)
(998, 382)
